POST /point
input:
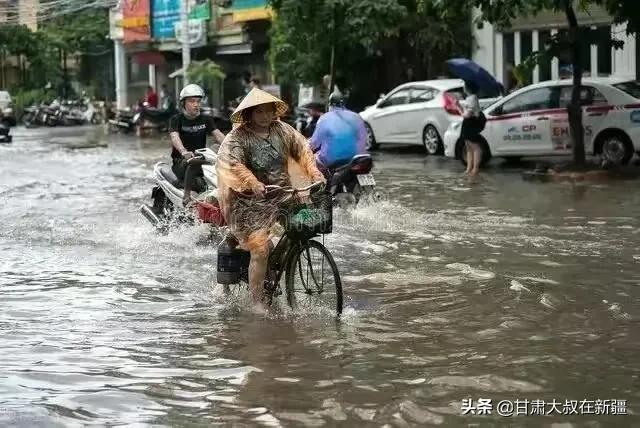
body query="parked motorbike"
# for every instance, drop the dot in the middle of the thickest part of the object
(352, 183)
(40, 115)
(122, 121)
(149, 119)
(5, 136)
(168, 194)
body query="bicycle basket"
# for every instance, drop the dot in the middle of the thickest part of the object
(313, 218)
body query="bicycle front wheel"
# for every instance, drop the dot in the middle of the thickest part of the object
(312, 278)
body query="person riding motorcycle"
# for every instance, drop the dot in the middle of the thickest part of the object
(260, 150)
(188, 131)
(340, 135)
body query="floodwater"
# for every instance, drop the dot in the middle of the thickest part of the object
(495, 289)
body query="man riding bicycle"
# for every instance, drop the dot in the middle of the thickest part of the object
(259, 151)
(339, 136)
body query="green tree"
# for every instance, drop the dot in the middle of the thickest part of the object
(501, 12)
(366, 45)
(84, 33)
(206, 73)
(308, 34)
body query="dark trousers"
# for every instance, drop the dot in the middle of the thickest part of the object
(190, 175)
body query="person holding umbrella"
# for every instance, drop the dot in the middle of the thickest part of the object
(473, 122)
(476, 79)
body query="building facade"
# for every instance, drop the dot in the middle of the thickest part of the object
(147, 38)
(499, 50)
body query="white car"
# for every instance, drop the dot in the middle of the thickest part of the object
(533, 121)
(416, 113)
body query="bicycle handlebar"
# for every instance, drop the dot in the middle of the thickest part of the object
(292, 190)
(274, 189)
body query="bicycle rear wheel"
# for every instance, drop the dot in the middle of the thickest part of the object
(312, 278)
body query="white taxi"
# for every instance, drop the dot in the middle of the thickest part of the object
(533, 121)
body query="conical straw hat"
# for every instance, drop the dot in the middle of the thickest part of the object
(255, 98)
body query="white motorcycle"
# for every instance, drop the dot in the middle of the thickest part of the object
(168, 195)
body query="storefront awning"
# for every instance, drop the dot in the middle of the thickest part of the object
(149, 58)
(178, 73)
(238, 49)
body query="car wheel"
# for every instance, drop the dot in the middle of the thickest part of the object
(461, 153)
(371, 139)
(616, 149)
(432, 141)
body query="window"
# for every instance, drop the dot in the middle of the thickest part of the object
(509, 61)
(545, 66)
(603, 41)
(397, 98)
(526, 49)
(536, 99)
(588, 96)
(422, 95)
(631, 88)
(137, 72)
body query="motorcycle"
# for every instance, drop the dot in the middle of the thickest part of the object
(122, 121)
(351, 183)
(41, 115)
(68, 114)
(168, 195)
(148, 118)
(5, 137)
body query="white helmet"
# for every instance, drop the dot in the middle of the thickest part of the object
(191, 90)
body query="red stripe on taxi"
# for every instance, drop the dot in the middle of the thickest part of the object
(550, 111)
(505, 117)
(600, 109)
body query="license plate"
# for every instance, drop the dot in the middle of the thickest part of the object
(366, 180)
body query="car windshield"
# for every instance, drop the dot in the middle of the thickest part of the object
(632, 88)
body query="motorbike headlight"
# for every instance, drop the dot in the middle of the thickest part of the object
(136, 117)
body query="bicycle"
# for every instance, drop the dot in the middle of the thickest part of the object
(306, 222)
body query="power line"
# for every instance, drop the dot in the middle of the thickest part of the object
(52, 9)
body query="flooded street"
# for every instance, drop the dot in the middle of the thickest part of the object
(498, 289)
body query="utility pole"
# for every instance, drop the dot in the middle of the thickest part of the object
(186, 47)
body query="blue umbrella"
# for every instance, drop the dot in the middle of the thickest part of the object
(469, 71)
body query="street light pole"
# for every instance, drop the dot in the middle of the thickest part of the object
(186, 47)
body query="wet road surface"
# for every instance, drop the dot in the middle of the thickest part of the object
(498, 289)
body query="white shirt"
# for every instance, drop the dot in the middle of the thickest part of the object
(470, 106)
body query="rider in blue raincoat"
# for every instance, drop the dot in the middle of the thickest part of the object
(339, 136)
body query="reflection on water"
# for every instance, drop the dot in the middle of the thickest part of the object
(499, 289)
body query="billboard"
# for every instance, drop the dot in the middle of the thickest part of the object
(199, 9)
(135, 20)
(250, 10)
(166, 13)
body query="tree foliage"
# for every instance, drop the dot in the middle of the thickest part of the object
(305, 31)
(82, 33)
(377, 43)
(85, 31)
